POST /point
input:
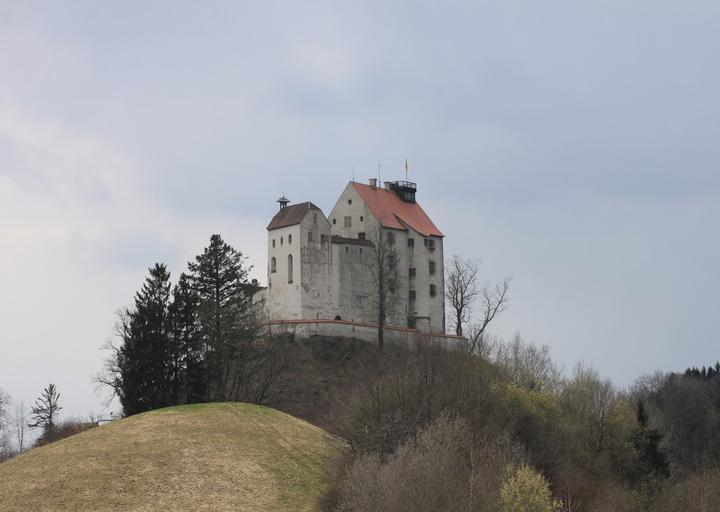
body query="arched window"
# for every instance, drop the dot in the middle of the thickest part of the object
(290, 268)
(273, 264)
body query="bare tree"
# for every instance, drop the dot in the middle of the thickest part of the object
(385, 276)
(4, 437)
(461, 290)
(20, 423)
(493, 301)
(110, 377)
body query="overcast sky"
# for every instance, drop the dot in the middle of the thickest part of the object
(574, 146)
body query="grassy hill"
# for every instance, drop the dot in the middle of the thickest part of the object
(211, 457)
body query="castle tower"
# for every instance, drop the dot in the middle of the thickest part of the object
(299, 263)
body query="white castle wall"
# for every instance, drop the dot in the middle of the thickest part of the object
(333, 280)
(283, 299)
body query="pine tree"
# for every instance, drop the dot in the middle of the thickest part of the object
(187, 354)
(225, 309)
(652, 462)
(144, 359)
(45, 410)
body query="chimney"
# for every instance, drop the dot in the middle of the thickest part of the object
(388, 185)
(373, 182)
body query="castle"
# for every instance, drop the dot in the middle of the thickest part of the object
(320, 269)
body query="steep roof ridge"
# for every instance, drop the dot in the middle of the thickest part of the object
(393, 212)
(291, 215)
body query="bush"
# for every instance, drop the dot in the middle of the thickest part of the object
(445, 467)
(526, 490)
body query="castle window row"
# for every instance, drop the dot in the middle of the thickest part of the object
(348, 220)
(412, 295)
(282, 240)
(273, 267)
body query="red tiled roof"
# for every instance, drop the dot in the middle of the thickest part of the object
(291, 215)
(393, 212)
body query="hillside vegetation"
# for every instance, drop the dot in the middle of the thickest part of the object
(215, 457)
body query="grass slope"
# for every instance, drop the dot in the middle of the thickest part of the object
(215, 457)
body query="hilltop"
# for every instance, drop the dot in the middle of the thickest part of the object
(198, 457)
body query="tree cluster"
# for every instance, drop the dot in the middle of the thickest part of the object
(196, 341)
(489, 433)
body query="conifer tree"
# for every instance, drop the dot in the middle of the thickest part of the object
(144, 359)
(219, 277)
(186, 350)
(652, 462)
(45, 411)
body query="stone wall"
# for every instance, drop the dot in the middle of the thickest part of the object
(359, 330)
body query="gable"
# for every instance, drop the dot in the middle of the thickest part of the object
(392, 212)
(291, 215)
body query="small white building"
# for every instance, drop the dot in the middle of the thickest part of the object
(320, 268)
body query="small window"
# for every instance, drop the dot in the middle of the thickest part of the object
(431, 266)
(362, 218)
(273, 265)
(411, 242)
(360, 251)
(411, 272)
(431, 244)
(433, 290)
(412, 295)
(323, 239)
(281, 240)
(310, 236)
(391, 260)
(314, 218)
(361, 235)
(391, 238)
(347, 249)
(290, 268)
(289, 239)
(348, 221)
(349, 201)
(273, 242)
(334, 221)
